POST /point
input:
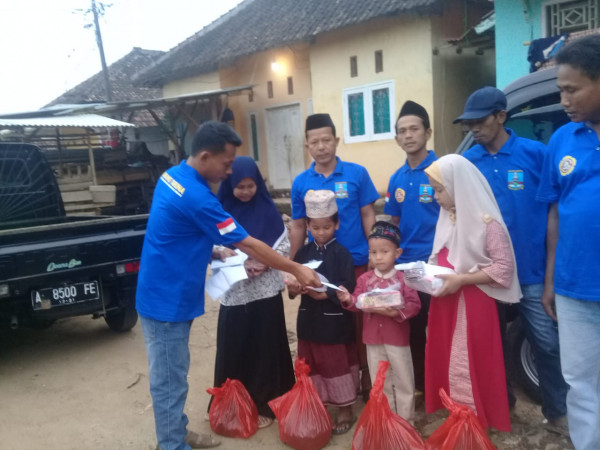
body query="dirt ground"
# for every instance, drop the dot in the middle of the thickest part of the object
(78, 385)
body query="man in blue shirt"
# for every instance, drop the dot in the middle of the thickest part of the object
(354, 191)
(185, 221)
(571, 184)
(409, 200)
(355, 197)
(512, 166)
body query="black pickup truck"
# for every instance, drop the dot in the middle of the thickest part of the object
(54, 266)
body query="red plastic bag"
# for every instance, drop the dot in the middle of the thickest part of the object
(379, 427)
(304, 422)
(462, 430)
(232, 412)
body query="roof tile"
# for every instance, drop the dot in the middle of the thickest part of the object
(257, 25)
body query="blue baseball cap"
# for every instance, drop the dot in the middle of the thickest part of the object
(482, 103)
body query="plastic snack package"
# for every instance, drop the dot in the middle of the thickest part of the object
(422, 276)
(304, 423)
(379, 427)
(380, 298)
(232, 412)
(462, 430)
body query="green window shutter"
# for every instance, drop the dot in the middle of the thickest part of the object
(381, 111)
(356, 113)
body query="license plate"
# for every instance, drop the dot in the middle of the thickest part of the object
(47, 298)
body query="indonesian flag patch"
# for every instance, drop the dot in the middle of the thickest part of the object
(226, 227)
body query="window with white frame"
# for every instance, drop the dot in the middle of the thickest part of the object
(569, 16)
(369, 112)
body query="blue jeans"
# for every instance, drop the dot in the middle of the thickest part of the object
(579, 330)
(542, 333)
(168, 361)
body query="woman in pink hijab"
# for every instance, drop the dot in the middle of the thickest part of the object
(464, 347)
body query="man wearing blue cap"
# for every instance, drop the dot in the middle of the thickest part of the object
(512, 165)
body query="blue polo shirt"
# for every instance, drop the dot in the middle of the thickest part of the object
(185, 221)
(353, 189)
(514, 176)
(410, 189)
(571, 178)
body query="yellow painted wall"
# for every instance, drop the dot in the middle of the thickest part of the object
(406, 46)
(200, 83)
(292, 61)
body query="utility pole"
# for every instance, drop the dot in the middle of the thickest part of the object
(101, 49)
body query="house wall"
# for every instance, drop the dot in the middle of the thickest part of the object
(406, 46)
(321, 71)
(200, 83)
(455, 75)
(516, 24)
(292, 61)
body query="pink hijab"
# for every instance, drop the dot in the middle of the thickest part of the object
(464, 232)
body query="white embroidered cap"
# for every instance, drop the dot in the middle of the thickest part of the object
(320, 204)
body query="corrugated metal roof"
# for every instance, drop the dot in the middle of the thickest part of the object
(77, 110)
(80, 120)
(105, 108)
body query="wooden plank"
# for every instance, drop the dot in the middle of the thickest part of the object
(83, 213)
(85, 206)
(77, 196)
(67, 187)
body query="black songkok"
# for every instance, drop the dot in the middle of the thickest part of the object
(411, 108)
(319, 121)
(386, 230)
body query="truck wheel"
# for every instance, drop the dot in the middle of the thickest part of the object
(126, 317)
(522, 366)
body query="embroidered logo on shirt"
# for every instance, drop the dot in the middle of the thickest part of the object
(515, 180)
(425, 193)
(399, 194)
(566, 165)
(173, 185)
(341, 189)
(226, 227)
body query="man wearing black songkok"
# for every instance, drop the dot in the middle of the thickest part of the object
(409, 200)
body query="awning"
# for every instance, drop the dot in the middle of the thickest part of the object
(79, 120)
(107, 108)
(481, 36)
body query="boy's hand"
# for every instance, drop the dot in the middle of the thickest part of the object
(388, 312)
(306, 276)
(344, 296)
(314, 294)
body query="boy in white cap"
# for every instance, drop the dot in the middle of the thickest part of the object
(326, 333)
(355, 196)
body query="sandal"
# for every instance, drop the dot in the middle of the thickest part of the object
(264, 421)
(344, 426)
(198, 440)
